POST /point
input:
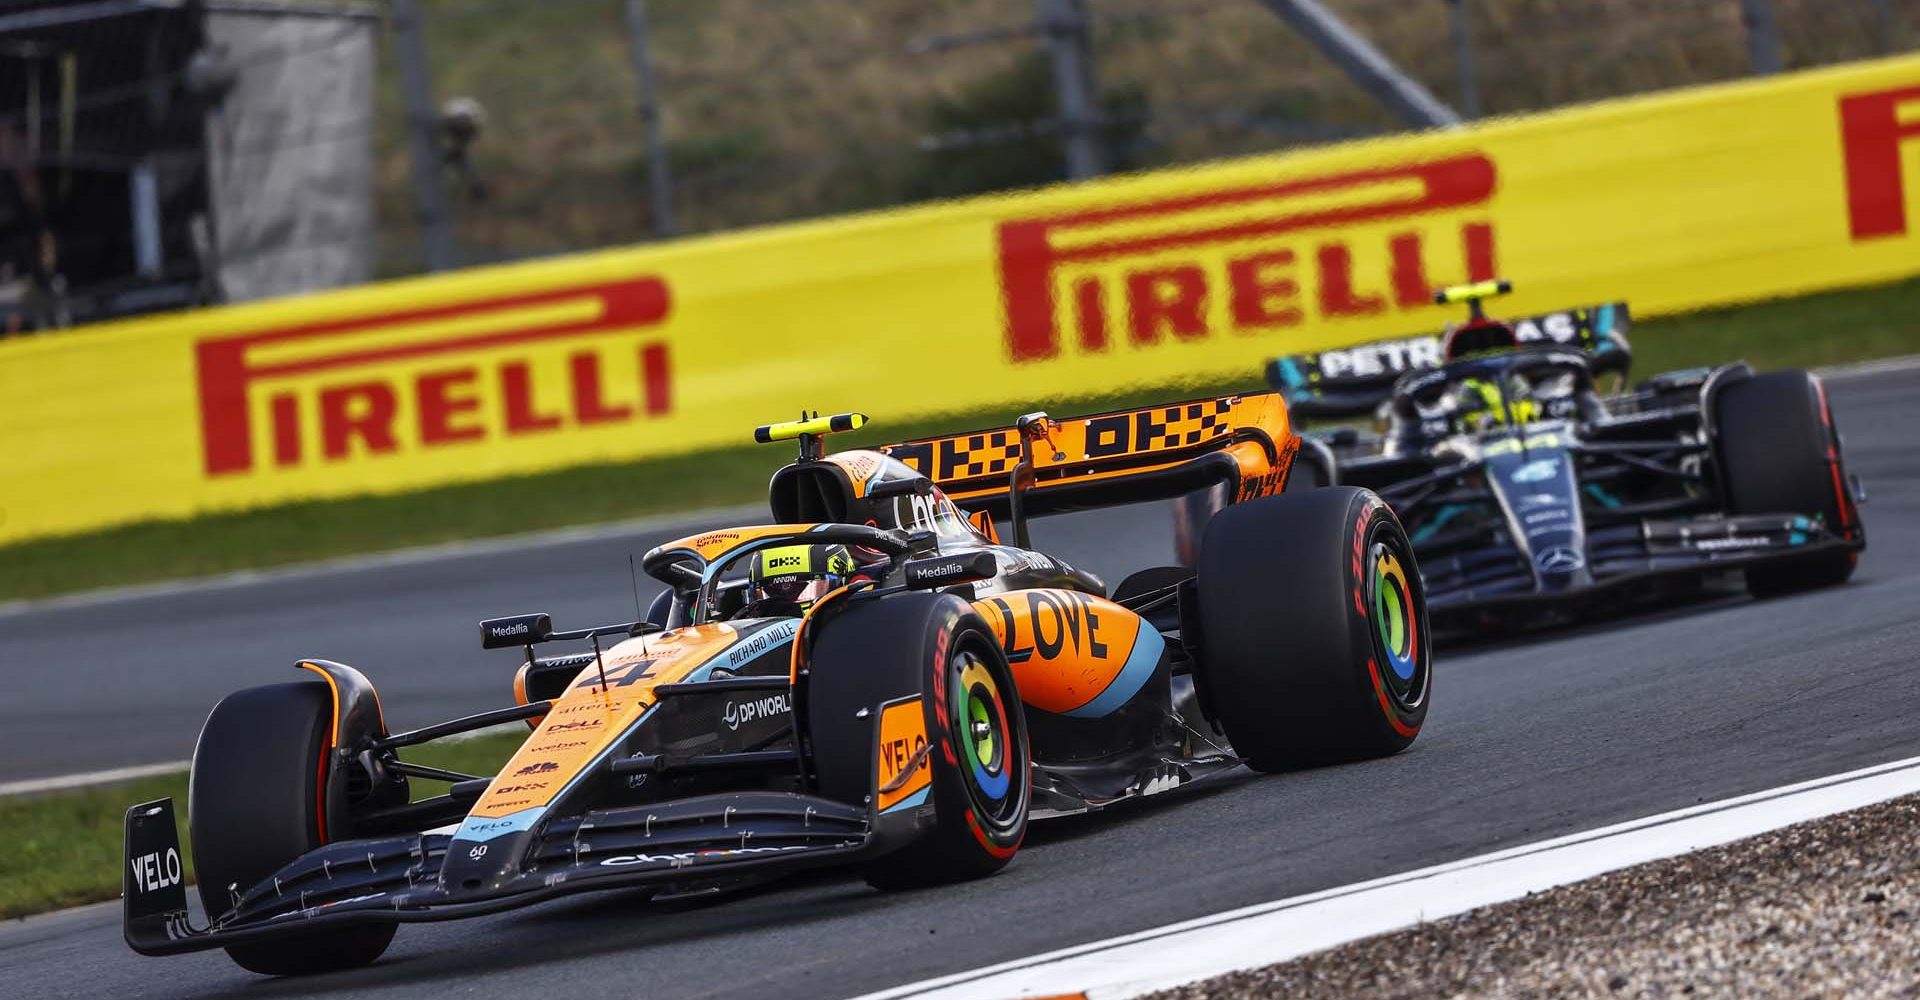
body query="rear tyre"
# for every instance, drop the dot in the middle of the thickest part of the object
(254, 802)
(1313, 641)
(1780, 454)
(935, 647)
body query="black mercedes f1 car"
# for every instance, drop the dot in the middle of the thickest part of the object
(1531, 494)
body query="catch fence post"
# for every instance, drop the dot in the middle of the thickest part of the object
(1065, 25)
(1463, 59)
(423, 137)
(659, 177)
(1763, 36)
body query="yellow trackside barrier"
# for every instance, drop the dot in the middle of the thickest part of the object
(1676, 201)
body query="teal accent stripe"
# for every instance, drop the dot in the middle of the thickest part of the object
(705, 670)
(1147, 647)
(1606, 499)
(918, 798)
(1432, 528)
(471, 831)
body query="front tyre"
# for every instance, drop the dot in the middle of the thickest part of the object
(936, 648)
(1780, 454)
(1313, 637)
(982, 768)
(255, 804)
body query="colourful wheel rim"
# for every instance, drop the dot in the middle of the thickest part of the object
(1396, 623)
(983, 751)
(983, 736)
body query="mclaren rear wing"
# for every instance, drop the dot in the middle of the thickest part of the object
(1041, 465)
(1352, 381)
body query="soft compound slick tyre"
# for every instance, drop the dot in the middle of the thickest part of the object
(255, 804)
(1780, 454)
(934, 647)
(1313, 644)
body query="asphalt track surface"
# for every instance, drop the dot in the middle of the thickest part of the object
(1529, 739)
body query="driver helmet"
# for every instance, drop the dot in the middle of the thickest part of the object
(1480, 337)
(798, 574)
(1477, 404)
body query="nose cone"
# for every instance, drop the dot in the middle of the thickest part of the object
(1562, 566)
(1540, 493)
(482, 868)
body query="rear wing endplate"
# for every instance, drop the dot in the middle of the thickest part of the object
(1352, 381)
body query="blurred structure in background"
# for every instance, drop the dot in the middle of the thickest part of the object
(161, 154)
(289, 148)
(505, 129)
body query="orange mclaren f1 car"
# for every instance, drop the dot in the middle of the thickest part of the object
(873, 680)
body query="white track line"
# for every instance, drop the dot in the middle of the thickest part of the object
(693, 520)
(69, 781)
(1859, 369)
(1269, 933)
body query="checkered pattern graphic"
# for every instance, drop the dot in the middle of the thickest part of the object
(995, 453)
(991, 454)
(1181, 426)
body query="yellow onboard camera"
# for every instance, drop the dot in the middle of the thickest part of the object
(809, 430)
(1472, 294)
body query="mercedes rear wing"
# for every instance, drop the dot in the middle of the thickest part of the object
(1041, 465)
(1353, 381)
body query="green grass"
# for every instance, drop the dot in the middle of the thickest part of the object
(64, 848)
(1827, 329)
(1815, 330)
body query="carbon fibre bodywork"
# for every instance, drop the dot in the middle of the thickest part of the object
(1568, 499)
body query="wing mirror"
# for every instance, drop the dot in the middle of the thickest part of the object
(519, 630)
(944, 571)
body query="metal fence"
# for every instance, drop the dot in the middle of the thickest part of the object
(611, 121)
